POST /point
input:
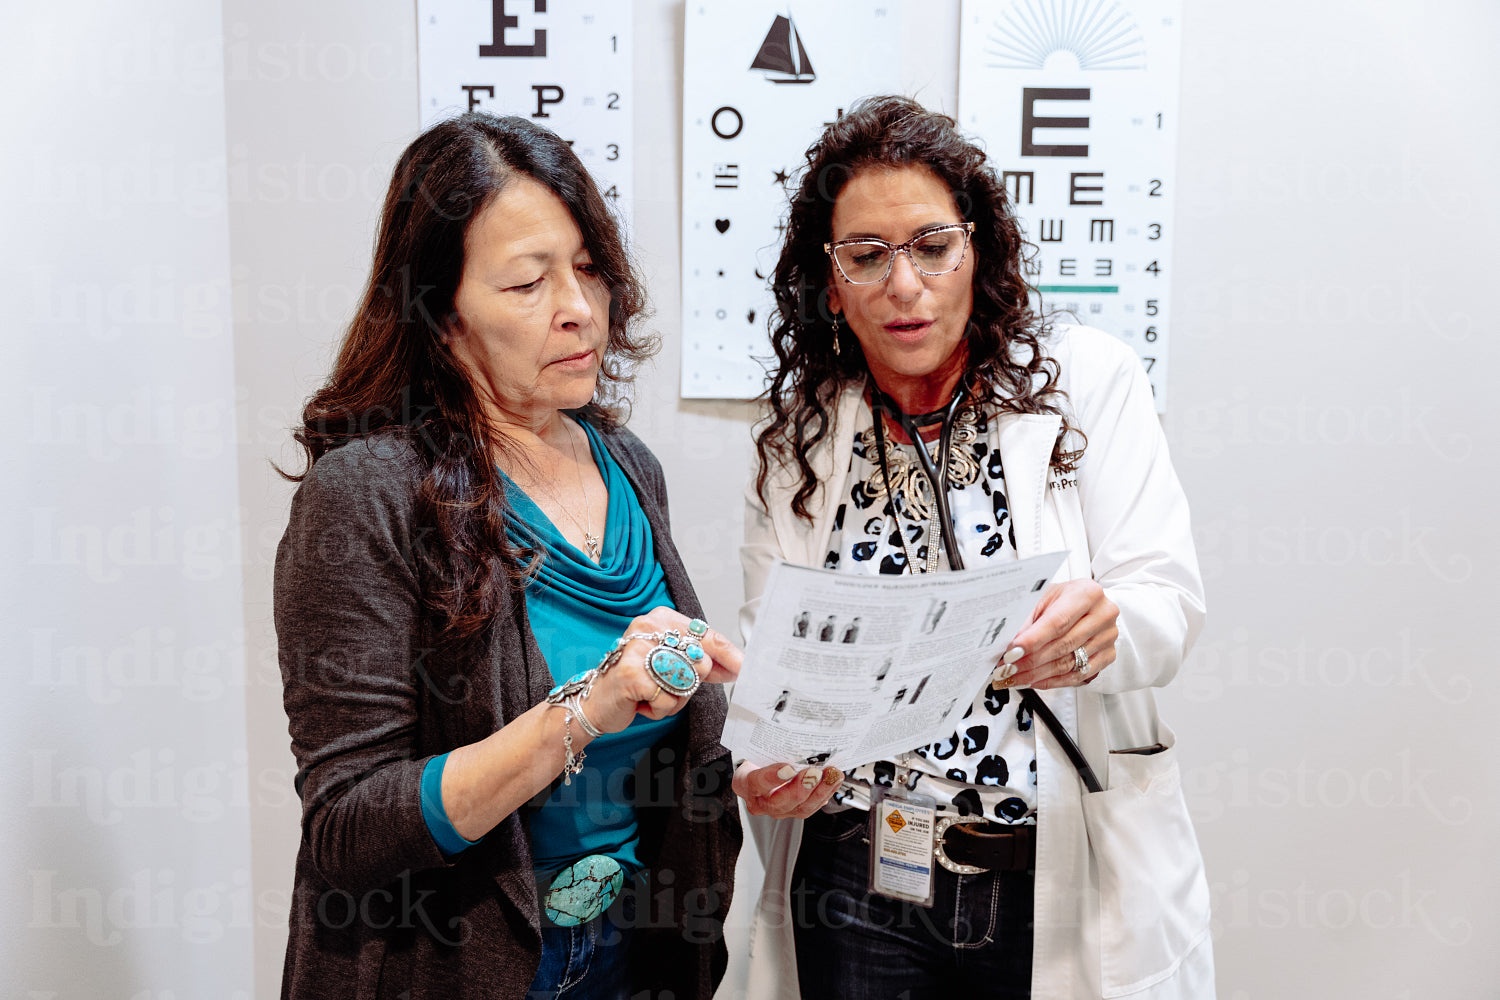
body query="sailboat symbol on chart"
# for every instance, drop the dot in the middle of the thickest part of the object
(781, 55)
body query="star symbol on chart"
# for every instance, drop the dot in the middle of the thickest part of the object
(781, 178)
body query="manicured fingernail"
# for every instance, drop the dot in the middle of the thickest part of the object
(832, 776)
(811, 777)
(786, 772)
(1013, 654)
(1005, 671)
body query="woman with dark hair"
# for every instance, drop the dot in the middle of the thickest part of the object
(478, 583)
(923, 417)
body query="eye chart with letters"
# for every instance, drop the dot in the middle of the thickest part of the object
(1077, 103)
(760, 79)
(564, 64)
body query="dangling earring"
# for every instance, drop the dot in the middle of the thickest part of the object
(836, 349)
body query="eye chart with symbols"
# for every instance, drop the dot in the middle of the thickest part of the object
(760, 79)
(1077, 103)
(564, 65)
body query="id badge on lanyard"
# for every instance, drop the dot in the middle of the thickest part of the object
(901, 842)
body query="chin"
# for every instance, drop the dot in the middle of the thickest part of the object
(922, 368)
(918, 366)
(579, 398)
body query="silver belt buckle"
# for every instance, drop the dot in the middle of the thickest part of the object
(939, 829)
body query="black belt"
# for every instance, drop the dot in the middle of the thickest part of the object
(971, 847)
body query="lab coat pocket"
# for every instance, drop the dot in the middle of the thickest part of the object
(1153, 896)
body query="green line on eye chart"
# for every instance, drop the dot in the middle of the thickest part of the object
(1096, 289)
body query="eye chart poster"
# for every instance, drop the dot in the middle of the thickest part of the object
(565, 65)
(1077, 103)
(760, 79)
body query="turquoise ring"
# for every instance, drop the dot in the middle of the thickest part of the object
(698, 628)
(671, 664)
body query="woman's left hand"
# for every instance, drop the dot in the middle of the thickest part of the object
(1071, 615)
(628, 688)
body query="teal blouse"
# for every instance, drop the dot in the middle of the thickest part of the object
(577, 610)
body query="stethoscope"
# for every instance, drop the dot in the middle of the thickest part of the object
(937, 476)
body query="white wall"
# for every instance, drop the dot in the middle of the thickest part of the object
(321, 100)
(123, 805)
(1331, 419)
(1329, 401)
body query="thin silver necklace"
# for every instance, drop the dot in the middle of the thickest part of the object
(592, 544)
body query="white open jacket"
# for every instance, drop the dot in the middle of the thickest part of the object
(1121, 901)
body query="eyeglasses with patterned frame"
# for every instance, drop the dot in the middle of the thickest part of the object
(932, 252)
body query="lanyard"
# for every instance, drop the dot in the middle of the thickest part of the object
(941, 513)
(937, 477)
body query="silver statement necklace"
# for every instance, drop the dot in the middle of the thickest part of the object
(907, 484)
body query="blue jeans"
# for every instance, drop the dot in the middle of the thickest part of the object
(587, 962)
(975, 940)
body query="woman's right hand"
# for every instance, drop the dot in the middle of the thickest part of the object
(781, 792)
(628, 689)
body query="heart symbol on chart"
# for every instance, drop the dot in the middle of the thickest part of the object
(751, 317)
(722, 225)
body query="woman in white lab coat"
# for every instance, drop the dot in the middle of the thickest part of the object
(904, 315)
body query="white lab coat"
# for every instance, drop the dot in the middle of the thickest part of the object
(1121, 899)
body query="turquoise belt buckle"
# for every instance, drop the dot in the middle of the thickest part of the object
(583, 890)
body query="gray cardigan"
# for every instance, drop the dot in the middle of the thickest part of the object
(372, 695)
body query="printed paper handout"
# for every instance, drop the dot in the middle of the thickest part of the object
(843, 669)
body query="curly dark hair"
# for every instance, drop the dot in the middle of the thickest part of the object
(396, 371)
(1005, 366)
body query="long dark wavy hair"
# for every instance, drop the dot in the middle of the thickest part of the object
(1005, 366)
(397, 373)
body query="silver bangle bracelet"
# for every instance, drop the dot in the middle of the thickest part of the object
(568, 697)
(575, 704)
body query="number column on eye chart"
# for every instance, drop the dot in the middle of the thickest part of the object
(567, 67)
(1077, 101)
